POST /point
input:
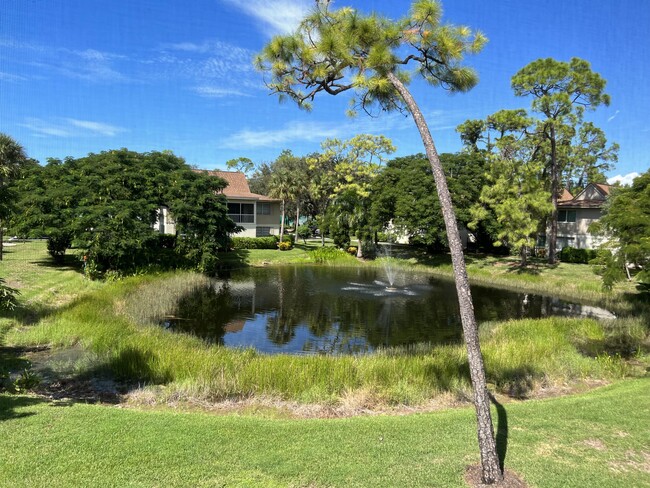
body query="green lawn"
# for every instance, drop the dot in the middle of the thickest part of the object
(598, 439)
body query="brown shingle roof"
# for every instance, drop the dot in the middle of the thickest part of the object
(565, 196)
(592, 203)
(237, 185)
(603, 188)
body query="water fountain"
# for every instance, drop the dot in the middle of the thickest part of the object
(389, 267)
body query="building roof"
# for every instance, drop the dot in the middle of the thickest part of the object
(565, 196)
(605, 189)
(579, 201)
(237, 185)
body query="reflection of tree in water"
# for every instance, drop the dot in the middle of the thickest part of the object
(325, 310)
(204, 311)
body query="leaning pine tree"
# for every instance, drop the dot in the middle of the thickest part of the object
(336, 51)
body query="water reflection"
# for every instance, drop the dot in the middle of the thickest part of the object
(316, 310)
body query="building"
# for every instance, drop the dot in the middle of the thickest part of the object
(259, 215)
(576, 214)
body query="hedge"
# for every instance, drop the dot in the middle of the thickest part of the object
(267, 242)
(577, 256)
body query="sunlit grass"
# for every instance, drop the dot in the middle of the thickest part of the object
(594, 439)
(520, 356)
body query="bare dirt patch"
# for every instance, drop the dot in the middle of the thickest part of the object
(634, 461)
(474, 479)
(595, 444)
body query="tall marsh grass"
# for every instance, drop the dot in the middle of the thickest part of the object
(519, 355)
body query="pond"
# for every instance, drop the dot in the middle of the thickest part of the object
(317, 310)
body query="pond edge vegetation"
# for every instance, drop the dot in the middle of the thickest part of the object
(524, 358)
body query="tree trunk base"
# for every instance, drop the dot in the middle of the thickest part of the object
(474, 479)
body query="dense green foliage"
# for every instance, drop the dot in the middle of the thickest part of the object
(268, 242)
(570, 254)
(626, 220)
(404, 196)
(12, 163)
(514, 191)
(8, 296)
(107, 205)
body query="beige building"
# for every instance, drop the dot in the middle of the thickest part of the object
(259, 215)
(576, 214)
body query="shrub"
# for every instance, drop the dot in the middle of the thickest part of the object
(57, 244)
(340, 236)
(577, 256)
(368, 249)
(285, 246)
(287, 238)
(7, 296)
(268, 242)
(352, 250)
(304, 231)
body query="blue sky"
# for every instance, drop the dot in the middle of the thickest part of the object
(81, 76)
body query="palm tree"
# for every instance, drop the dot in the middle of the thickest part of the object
(12, 157)
(281, 187)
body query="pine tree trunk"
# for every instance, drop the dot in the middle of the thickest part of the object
(487, 445)
(2, 237)
(552, 242)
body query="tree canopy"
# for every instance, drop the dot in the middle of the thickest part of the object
(12, 161)
(404, 195)
(561, 93)
(107, 204)
(626, 221)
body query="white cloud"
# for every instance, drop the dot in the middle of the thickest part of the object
(98, 128)
(218, 92)
(319, 131)
(609, 119)
(67, 127)
(216, 69)
(9, 77)
(277, 16)
(624, 180)
(294, 131)
(89, 64)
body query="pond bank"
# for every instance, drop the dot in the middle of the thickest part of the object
(522, 357)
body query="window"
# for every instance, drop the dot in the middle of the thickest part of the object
(262, 231)
(241, 213)
(263, 208)
(563, 242)
(566, 216)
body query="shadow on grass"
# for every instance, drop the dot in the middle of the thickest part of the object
(64, 263)
(450, 376)
(9, 405)
(27, 315)
(501, 431)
